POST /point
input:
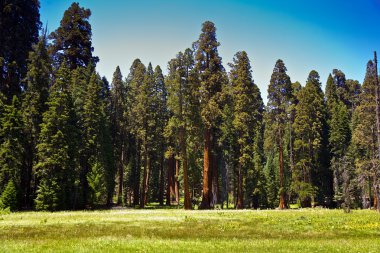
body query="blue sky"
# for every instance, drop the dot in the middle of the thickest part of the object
(306, 35)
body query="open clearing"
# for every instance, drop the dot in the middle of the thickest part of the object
(306, 230)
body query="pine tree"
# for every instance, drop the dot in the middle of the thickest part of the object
(34, 105)
(364, 136)
(309, 125)
(279, 98)
(19, 26)
(181, 104)
(118, 107)
(212, 76)
(57, 162)
(160, 117)
(72, 40)
(248, 109)
(12, 150)
(97, 140)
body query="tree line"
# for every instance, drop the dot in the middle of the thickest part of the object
(197, 136)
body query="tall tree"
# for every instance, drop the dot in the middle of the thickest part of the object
(279, 97)
(364, 135)
(212, 76)
(19, 26)
(57, 162)
(72, 42)
(118, 107)
(309, 125)
(34, 105)
(181, 104)
(248, 109)
(97, 143)
(12, 151)
(160, 118)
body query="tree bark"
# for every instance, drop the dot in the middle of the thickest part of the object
(205, 204)
(376, 180)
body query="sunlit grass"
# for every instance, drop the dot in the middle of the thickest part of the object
(304, 230)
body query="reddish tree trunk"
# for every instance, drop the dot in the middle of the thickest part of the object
(205, 204)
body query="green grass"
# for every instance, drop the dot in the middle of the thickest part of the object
(304, 230)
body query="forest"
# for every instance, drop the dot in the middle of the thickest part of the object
(190, 133)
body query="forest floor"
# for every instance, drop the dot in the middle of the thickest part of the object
(303, 230)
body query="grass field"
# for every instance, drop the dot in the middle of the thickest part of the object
(308, 230)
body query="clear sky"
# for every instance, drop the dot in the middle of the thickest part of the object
(306, 35)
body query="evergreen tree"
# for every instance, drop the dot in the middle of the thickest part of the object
(97, 140)
(279, 100)
(364, 136)
(160, 118)
(57, 162)
(12, 151)
(212, 76)
(118, 107)
(19, 26)
(309, 127)
(72, 40)
(34, 105)
(248, 109)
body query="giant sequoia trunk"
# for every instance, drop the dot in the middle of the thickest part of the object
(376, 180)
(207, 162)
(170, 192)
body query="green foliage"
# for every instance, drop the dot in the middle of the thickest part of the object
(57, 146)
(48, 195)
(11, 145)
(309, 125)
(19, 26)
(97, 184)
(8, 198)
(72, 40)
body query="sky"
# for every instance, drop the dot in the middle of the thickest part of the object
(307, 35)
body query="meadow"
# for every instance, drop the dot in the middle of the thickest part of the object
(131, 230)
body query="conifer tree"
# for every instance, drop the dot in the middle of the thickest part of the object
(118, 107)
(72, 40)
(57, 152)
(19, 26)
(212, 76)
(279, 98)
(364, 136)
(309, 127)
(12, 151)
(97, 140)
(34, 105)
(248, 109)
